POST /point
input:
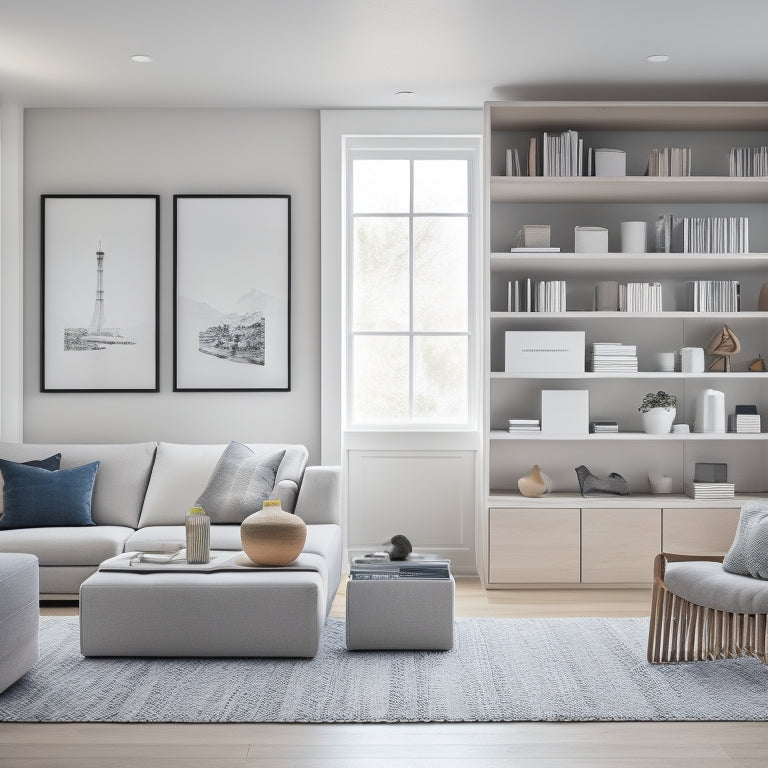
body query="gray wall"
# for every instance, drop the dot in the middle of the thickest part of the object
(167, 152)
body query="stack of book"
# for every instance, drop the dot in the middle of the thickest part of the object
(709, 491)
(713, 295)
(378, 567)
(749, 161)
(525, 425)
(746, 420)
(640, 297)
(601, 427)
(614, 357)
(562, 154)
(669, 161)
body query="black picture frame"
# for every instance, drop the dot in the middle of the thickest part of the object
(99, 258)
(232, 293)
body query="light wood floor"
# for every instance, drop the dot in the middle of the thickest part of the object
(448, 745)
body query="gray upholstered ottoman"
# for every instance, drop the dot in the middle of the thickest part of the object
(224, 613)
(19, 616)
(400, 614)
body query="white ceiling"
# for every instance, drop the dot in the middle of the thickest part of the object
(358, 53)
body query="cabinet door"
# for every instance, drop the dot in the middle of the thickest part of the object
(699, 531)
(619, 545)
(534, 545)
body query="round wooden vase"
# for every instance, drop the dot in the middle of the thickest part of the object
(273, 536)
(535, 483)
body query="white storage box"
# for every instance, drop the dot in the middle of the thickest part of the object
(610, 162)
(565, 411)
(590, 240)
(544, 351)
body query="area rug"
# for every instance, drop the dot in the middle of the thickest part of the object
(499, 670)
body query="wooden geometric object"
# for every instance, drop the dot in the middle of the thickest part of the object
(683, 631)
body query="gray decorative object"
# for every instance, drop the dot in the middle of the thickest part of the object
(710, 472)
(748, 555)
(591, 485)
(522, 670)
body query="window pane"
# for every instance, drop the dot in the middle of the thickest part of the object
(440, 186)
(440, 379)
(380, 275)
(380, 379)
(381, 186)
(440, 269)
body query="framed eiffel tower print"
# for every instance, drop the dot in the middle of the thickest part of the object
(99, 293)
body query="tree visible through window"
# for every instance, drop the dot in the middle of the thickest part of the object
(411, 242)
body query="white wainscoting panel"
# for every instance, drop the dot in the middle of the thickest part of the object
(427, 495)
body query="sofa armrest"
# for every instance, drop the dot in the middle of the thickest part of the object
(320, 496)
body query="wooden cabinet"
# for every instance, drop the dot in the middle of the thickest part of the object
(699, 531)
(534, 545)
(710, 129)
(618, 545)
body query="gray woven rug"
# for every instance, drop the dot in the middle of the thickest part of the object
(499, 670)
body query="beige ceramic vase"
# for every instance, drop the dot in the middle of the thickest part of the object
(535, 483)
(273, 536)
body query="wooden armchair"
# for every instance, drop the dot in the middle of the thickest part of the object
(716, 615)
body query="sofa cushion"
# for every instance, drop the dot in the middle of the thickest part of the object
(240, 482)
(121, 482)
(76, 546)
(748, 555)
(35, 497)
(50, 463)
(181, 473)
(706, 583)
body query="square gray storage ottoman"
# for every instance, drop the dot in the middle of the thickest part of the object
(224, 613)
(400, 614)
(19, 616)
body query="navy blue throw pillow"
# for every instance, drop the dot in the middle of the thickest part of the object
(51, 463)
(36, 498)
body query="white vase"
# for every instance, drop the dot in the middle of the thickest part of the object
(658, 421)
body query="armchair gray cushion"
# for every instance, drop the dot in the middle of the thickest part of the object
(748, 555)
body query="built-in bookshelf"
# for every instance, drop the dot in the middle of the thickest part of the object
(563, 538)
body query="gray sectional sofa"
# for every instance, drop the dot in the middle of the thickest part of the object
(142, 492)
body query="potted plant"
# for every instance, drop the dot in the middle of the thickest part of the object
(658, 410)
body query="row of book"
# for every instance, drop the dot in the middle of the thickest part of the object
(702, 234)
(529, 295)
(640, 297)
(614, 357)
(713, 295)
(749, 161)
(669, 161)
(375, 567)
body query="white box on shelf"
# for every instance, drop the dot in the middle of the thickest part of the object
(544, 351)
(590, 240)
(610, 162)
(565, 411)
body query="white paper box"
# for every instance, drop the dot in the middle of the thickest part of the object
(544, 351)
(590, 240)
(565, 411)
(610, 162)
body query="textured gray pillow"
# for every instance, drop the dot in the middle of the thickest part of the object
(748, 555)
(239, 484)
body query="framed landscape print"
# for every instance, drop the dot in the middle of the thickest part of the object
(99, 293)
(232, 290)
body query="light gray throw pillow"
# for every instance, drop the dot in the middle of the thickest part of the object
(748, 555)
(239, 484)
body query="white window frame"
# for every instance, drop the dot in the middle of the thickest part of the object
(414, 148)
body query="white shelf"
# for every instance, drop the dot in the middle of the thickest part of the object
(500, 434)
(633, 375)
(690, 264)
(513, 500)
(587, 315)
(628, 189)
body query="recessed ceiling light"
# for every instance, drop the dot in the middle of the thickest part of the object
(657, 58)
(141, 58)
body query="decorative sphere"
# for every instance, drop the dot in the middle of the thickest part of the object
(273, 536)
